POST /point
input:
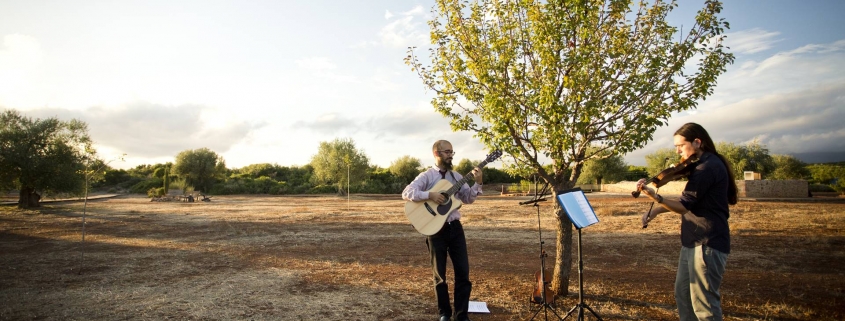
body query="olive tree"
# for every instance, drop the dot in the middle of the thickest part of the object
(339, 162)
(406, 168)
(42, 156)
(200, 168)
(560, 82)
(604, 170)
(465, 166)
(660, 159)
(752, 156)
(789, 167)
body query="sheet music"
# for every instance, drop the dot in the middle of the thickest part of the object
(578, 208)
(477, 307)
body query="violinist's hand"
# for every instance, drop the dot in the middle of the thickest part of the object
(646, 218)
(641, 185)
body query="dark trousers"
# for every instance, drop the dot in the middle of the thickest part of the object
(450, 240)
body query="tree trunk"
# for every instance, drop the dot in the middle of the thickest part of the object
(563, 254)
(28, 198)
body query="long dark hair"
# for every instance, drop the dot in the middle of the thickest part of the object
(691, 131)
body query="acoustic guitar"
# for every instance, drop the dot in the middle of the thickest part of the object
(427, 216)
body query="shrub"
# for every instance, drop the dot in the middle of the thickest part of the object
(279, 189)
(228, 188)
(821, 188)
(181, 185)
(261, 185)
(323, 189)
(369, 186)
(145, 185)
(155, 192)
(301, 189)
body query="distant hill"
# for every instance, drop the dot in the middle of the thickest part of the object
(820, 157)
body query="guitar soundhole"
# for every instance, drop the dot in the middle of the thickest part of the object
(444, 208)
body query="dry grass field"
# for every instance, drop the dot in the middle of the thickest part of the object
(326, 258)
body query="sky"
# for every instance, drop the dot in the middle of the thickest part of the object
(267, 81)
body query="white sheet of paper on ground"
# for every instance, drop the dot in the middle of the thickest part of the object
(478, 307)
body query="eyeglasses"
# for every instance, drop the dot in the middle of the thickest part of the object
(447, 152)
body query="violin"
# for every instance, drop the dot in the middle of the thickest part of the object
(675, 172)
(541, 287)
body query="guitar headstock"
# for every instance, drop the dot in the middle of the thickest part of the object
(490, 157)
(493, 156)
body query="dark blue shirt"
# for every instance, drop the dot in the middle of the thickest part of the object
(706, 198)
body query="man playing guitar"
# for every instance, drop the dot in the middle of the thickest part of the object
(449, 240)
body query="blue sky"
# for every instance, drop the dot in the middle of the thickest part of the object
(267, 81)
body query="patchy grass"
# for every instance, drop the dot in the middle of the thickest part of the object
(306, 258)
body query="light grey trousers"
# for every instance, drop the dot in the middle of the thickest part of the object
(700, 271)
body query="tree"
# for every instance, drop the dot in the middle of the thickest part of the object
(659, 160)
(337, 158)
(749, 157)
(829, 174)
(789, 167)
(494, 175)
(608, 170)
(41, 155)
(163, 172)
(465, 166)
(406, 168)
(258, 170)
(635, 173)
(567, 81)
(199, 168)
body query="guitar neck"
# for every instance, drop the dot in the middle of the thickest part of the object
(457, 186)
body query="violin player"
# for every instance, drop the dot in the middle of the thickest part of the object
(704, 213)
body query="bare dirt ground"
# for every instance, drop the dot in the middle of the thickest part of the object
(326, 258)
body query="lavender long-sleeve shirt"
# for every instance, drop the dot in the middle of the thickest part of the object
(418, 189)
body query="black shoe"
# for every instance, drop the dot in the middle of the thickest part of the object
(445, 318)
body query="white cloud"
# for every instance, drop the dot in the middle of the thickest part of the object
(20, 51)
(329, 124)
(806, 59)
(316, 63)
(322, 67)
(407, 124)
(805, 120)
(386, 79)
(21, 71)
(387, 14)
(751, 41)
(364, 44)
(416, 11)
(403, 33)
(147, 130)
(791, 101)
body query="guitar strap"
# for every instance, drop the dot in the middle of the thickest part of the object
(443, 175)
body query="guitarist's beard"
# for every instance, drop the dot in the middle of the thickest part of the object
(445, 164)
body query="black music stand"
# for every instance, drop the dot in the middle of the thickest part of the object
(539, 196)
(581, 214)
